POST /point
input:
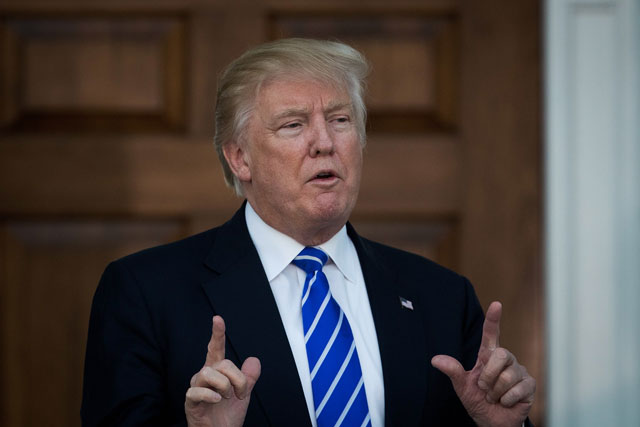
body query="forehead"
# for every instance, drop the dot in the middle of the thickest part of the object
(300, 93)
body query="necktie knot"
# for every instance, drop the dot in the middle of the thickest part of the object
(310, 259)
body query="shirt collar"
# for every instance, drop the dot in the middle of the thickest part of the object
(277, 250)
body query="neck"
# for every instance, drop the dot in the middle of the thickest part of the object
(307, 234)
(314, 239)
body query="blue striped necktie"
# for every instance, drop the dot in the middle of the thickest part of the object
(336, 377)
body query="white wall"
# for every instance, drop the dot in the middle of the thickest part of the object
(592, 115)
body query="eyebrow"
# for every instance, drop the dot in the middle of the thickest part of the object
(290, 112)
(334, 106)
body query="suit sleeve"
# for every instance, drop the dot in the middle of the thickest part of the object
(472, 326)
(454, 327)
(123, 378)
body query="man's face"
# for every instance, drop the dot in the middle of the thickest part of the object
(303, 157)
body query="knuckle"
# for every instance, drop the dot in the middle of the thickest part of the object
(507, 377)
(240, 386)
(226, 364)
(501, 353)
(223, 385)
(242, 381)
(485, 377)
(193, 396)
(490, 373)
(509, 399)
(532, 384)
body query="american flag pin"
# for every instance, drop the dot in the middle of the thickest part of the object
(405, 303)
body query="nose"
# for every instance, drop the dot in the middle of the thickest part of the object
(321, 142)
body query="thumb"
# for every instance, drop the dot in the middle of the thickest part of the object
(450, 367)
(251, 368)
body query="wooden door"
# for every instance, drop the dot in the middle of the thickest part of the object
(105, 148)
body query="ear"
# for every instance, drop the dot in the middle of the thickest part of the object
(238, 161)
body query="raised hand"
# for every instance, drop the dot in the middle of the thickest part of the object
(498, 391)
(220, 392)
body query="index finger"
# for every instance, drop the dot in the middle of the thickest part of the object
(491, 330)
(215, 348)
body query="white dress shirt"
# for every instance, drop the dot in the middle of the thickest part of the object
(276, 251)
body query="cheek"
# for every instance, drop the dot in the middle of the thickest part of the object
(286, 163)
(355, 161)
(277, 171)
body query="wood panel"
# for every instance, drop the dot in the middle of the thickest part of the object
(75, 72)
(436, 239)
(155, 175)
(417, 175)
(501, 229)
(46, 286)
(413, 85)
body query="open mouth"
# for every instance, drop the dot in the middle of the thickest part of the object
(324, 175)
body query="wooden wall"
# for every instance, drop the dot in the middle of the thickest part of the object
(105, 147)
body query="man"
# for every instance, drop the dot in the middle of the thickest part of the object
(321, 327)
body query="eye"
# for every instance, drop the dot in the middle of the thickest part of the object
(291, 129)
(292, 125)
(340, 122)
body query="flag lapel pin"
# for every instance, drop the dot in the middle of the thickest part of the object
(405, 303)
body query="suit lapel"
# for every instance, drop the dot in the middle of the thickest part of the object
(242, 296)
(400, 337)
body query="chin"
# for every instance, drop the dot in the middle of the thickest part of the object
(334, 212)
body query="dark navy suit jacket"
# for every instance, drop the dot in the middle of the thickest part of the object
(151, 322)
